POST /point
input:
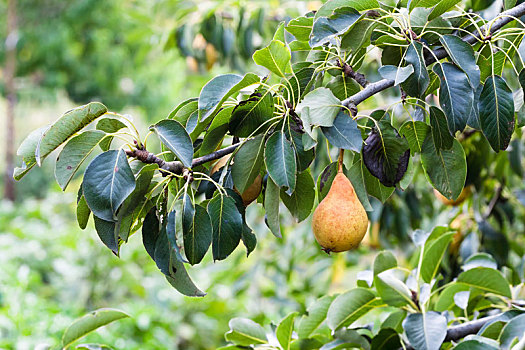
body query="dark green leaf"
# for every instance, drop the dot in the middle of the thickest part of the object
(250, 114)
(387, 338)
(301, 201)
(456, 96)
(216, 131)
(217, 90)
(344, 133)
(173, 135)
(280, 161)
(496, 112)
(83, 212)
(247, 163)
(446, 169)
(343, 87)
(440, 132)
(271, 206)
(462, 55)
(197, 232)
(227, 225)
(108, 181)
(303, 157)
(150, 232)
(339, 22)
(486, 279)
(107, 234)
(417, 83)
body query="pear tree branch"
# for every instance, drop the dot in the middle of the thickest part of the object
(373, 88)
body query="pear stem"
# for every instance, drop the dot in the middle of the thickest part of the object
(340, 160)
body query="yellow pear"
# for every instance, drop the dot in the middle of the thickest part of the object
(340, 221)
(465, 193)
(251, 192)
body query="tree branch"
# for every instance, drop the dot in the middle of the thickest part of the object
(458, 332)
(373, 88)
(177, 167)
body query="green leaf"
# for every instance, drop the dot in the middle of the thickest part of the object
(432, 255)
(83, 212)
(245, 332)
(280, 161)
(316, 315)
(344, 133)
(356, 176)
(325, 179)
(445, 169)
(301, 27)
(303, 158)
(374, 187)
(417, 83)
(217, 90)
(339, 22)
(109, 125)
(271, 207)
(391, 289)
(513, 330)
(440, 132)
(496, 112)
(386, 154)
(284, 331)
(247, 163)
(426, 331)
(343, 87)
(173, 135)
(476, 344)
(89, 323)
(216, 131)
(397, 74)
(301, 201)
(300, 83)
(27, 151)
(319, 107)
(275, 57)
(197, 232)
(279, 33)
(108, 234)
(227, 225)
(250, 114)
(415, 133)
(480, 260)
(73, 155)
(182, 112)
(350, 306)
(486, 279)
(462, 55)
(441, 7)
(359, 5)
(66, 126)
(456, 96)
(108, 181)
(446, 298)
(386, 338)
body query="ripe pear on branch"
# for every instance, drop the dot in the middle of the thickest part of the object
(340, 222)
(251, 192)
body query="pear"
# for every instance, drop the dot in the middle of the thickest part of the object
(251, 192)
(340, 221)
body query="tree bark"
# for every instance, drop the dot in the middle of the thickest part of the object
(10, 71)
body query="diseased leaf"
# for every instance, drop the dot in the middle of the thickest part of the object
(386, 154)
